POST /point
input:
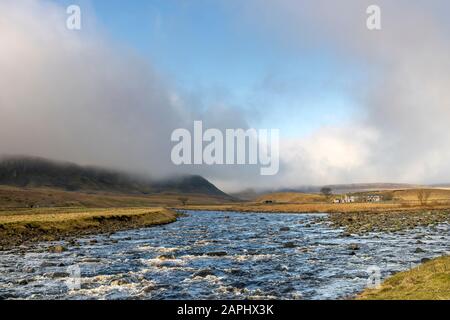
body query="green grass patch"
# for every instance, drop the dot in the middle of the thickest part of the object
(429, 281)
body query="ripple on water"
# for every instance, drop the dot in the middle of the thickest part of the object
(218, 255)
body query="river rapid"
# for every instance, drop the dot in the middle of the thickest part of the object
(218, 255)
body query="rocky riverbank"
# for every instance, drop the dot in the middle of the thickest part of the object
(430, 280)
(17, 228)
(360, 223)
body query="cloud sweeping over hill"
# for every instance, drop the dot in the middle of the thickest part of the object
(400, 132)
(77, 96)
(87, 98)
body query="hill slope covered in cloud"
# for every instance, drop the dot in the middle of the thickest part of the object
(39, 172)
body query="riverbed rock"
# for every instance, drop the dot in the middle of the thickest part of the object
(23, 282)
(167, 257)
(236, 271)
(119, 282)
(91, 260)
(204, 273)
(57, 249)
(424, 260)
(149, 288)
(289, 245)
(285, 229)
(346, 234)
(419, 250)
(353, 247)
(217, 254)
(47, 264)
(56, 275)
(29, 269)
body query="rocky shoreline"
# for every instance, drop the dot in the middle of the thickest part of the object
(364, 222)
(23, 232)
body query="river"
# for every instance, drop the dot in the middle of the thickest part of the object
(218, 255)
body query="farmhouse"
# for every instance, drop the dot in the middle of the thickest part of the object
(352, 198)
(373, 198)
(346, 199)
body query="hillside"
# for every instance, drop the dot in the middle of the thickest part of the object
(434, 196)
(291, 197)
(27, 172)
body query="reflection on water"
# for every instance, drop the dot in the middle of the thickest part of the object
(218, 255)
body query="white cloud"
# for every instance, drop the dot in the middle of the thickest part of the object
(401, 132)
(76, 96)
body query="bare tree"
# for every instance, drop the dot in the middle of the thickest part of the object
(423, 195)
(326, 191)
(183, 200)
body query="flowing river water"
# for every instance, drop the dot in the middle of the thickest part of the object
(218, 255)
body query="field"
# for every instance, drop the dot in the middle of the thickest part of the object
(35, 214)
(290, 202)
(291, 197)
(429, 281)
(12, 197)
(313, 207)
(20, 226)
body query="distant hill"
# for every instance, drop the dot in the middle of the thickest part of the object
(291, 197)
(258, 195)
(247, 194)
(363, 187)
(354, 187)
(37, 172)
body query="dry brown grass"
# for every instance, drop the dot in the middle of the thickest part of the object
(291, 197)
(291, 202)
(314, 207)
(12, 197)
(19, 226)
(434, 195)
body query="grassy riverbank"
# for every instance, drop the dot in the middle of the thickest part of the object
(44, 224)
(315, 207)
(429, 281)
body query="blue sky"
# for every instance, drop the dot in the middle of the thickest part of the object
(353, 102)
(206, 50)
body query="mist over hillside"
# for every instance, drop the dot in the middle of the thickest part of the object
(21, 171)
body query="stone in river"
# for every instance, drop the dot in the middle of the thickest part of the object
(56, 249)
(167, 257)
(56, 275)
(216, 254)
(289, 245)
(203, 273)
(119, 282)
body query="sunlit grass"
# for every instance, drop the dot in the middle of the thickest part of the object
(429, 281)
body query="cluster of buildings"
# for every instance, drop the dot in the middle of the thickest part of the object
(351, 199)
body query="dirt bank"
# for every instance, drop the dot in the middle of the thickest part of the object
(19, 227)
